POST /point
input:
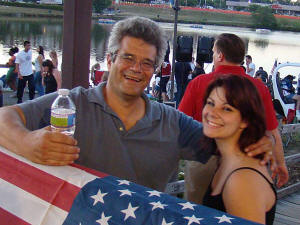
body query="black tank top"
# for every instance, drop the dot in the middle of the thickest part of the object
(216, 201)
(50, 84)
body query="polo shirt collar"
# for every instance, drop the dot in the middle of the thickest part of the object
(95, 95)
(224, 69)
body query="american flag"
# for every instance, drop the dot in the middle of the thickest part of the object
(274, 67)
(73, 195)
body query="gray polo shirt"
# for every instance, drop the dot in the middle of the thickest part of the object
(147, 154)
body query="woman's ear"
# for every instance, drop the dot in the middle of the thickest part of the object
(243, 125)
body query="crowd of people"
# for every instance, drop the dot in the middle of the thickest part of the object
(45, 78)
(225, 126)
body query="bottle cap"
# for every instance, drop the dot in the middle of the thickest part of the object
(63, 91)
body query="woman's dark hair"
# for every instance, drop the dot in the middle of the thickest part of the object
(41, 51)
(242, 94)
(49, 64)
(13, 51)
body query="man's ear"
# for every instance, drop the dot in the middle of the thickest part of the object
(109, 61)
(220, 57)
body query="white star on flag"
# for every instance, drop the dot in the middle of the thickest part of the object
(224, 218)
(103, 220)
(193, 219)
(164, 222)
(123, 182)
(154, 193)
(98, 197)
(129, 212)
(157, 205)
(187, 205)
(126, 192)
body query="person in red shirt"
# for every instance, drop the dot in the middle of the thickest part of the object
(228, 54)
(165, 76)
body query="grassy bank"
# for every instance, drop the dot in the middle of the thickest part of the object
(202, 17)
(187, 16)
(159, 14)
(29, 12)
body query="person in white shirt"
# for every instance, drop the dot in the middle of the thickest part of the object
(25, 72)
(250, 66)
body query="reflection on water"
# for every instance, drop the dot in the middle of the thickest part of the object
(261, 43)
(48, 32)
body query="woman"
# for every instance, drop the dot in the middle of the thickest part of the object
(11, 76)
(51, 77)
(234, 120)
(38, 75)
(53, 56)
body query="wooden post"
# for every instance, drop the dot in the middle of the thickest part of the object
(76, 43)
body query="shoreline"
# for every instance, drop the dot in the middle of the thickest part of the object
(162, 15)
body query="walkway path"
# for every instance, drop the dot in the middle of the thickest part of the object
(288, 210)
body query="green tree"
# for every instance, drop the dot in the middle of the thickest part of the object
(263, 17)
(99, 5)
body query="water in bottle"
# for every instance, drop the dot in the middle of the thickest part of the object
(63, 113)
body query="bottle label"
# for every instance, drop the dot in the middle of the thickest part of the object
(62, 120)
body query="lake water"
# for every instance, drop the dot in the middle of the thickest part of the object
(263, 48)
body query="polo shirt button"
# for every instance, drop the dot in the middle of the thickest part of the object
(121, 129)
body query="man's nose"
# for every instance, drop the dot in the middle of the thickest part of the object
(137, 66)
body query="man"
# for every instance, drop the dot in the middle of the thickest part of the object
(228, 53)
(250, 66)
(263, 75)
(118, 130)
(182, 71)
(25, 73)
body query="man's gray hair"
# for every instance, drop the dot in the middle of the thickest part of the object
(139, 27)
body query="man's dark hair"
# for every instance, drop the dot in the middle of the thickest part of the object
(249, 57)
(26, 43)
(232, 47)
(260, 68)
(251, 109)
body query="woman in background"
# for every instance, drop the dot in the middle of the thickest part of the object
(232, 120)
(38, 73)
(51, 77)
(11, 76)
(53, 56)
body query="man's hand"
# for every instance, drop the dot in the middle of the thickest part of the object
(20, 76)
(44, 146)
(282, 174)
(264, 145)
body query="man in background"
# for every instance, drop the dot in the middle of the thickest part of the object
(250, 66)
(25, 72)
(228, 53)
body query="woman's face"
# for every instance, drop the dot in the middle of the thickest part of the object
(45, 68)
(221, 120)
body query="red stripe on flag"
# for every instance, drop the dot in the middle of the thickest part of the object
(89, 170)
(37, 182)
(8, 218)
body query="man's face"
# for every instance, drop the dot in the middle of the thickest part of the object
(248, 60)
(133, 67)
(27, 47)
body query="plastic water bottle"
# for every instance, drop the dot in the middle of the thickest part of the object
(63, 113)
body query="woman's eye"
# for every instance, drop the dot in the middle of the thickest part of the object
(210, 103)
(227, 109)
